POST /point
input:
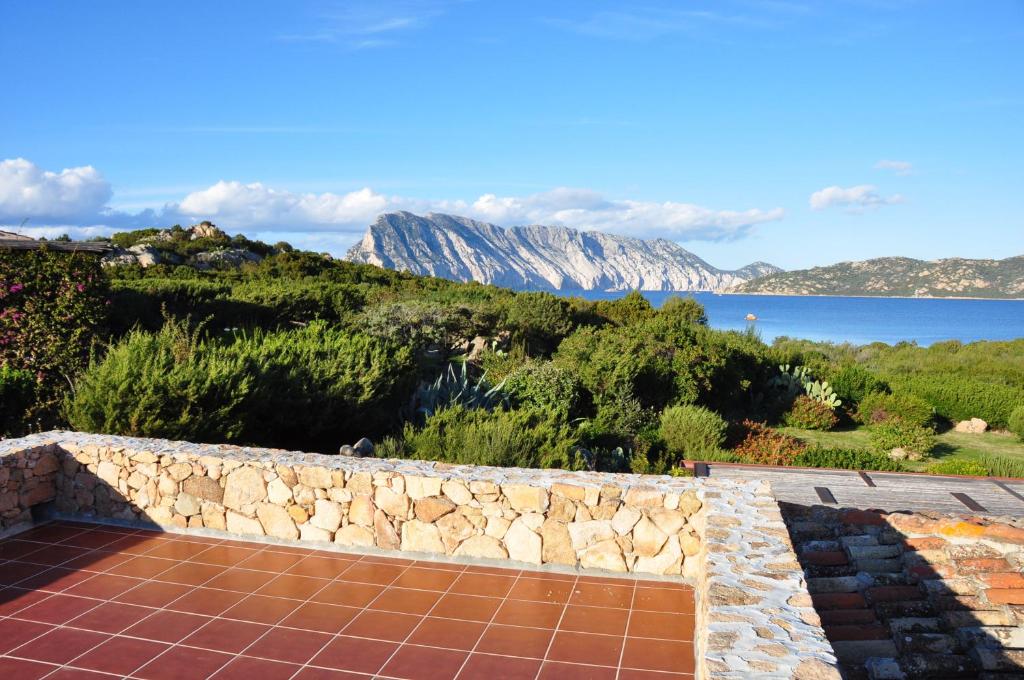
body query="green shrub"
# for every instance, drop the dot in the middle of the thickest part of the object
(810, 414)
(847, 459)
(311, 389)
(516, 438)
(52, 305)
(853, 382)
(546, 386)
(765, 446)
(17, 395)
(685, 308)
(1015, 423)
(881, 407)
(958, 466)
(169, 384)
(962, 397)
(692, 431)
(1002, 466)
(896, 434)
(629, 309)
(541, 320)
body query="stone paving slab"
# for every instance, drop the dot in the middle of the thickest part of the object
(893, 492)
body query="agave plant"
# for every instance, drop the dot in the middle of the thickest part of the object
(456, 388)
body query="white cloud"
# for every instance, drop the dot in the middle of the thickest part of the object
(854, 199)
(902, 168)
(336, 219)
(28, 191)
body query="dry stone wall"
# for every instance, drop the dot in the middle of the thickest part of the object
(620, 523)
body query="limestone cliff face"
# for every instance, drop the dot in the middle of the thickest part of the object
(538, 257)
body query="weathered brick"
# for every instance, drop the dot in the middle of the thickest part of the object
(822, 558)
(839, 601)
(893, 593)
(1004, 580)
(840, 617)
(861, 631)
(924, 543)
(1005, 595)
(862, 517)
(1003, 532)
(983, 564)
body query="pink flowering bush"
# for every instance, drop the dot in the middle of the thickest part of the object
(51, 306)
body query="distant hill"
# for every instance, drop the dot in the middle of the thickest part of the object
(898, 276)
(538, 257)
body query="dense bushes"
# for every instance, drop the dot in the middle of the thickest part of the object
(1016, 422)
(916, 441)
(847, 459)
(17, 395)
(692, 431)
(810, 414)
(765, 446)
(52, 305)
(314, 388)
(853, 382)
(517, 438)
(881, 407)
(962, 398)
(958, 466)
(545, 386)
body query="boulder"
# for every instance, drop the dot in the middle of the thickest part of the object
(972, 426)
(347, 450)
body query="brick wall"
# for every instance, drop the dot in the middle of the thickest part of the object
(913, 595)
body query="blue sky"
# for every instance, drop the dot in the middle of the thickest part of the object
(796, 132)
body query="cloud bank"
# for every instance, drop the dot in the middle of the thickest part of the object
(77, 200)
(855, 199)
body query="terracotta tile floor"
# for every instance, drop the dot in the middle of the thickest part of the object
(92, 601)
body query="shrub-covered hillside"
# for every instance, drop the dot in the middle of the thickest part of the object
(298, 350)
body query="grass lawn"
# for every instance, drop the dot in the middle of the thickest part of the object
(950, 445)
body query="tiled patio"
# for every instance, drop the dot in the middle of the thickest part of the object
(95, 601)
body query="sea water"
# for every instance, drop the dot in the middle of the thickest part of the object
(857, 320)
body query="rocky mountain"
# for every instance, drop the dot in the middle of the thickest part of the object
(899, 276)
(202, 246)
(538, 257)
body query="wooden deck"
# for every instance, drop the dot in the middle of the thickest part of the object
(887, 491)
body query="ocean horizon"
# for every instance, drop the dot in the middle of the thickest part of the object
(856, 320)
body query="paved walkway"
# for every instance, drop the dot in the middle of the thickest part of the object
(887, 491)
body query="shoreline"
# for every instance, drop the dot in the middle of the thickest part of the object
(578, 293)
